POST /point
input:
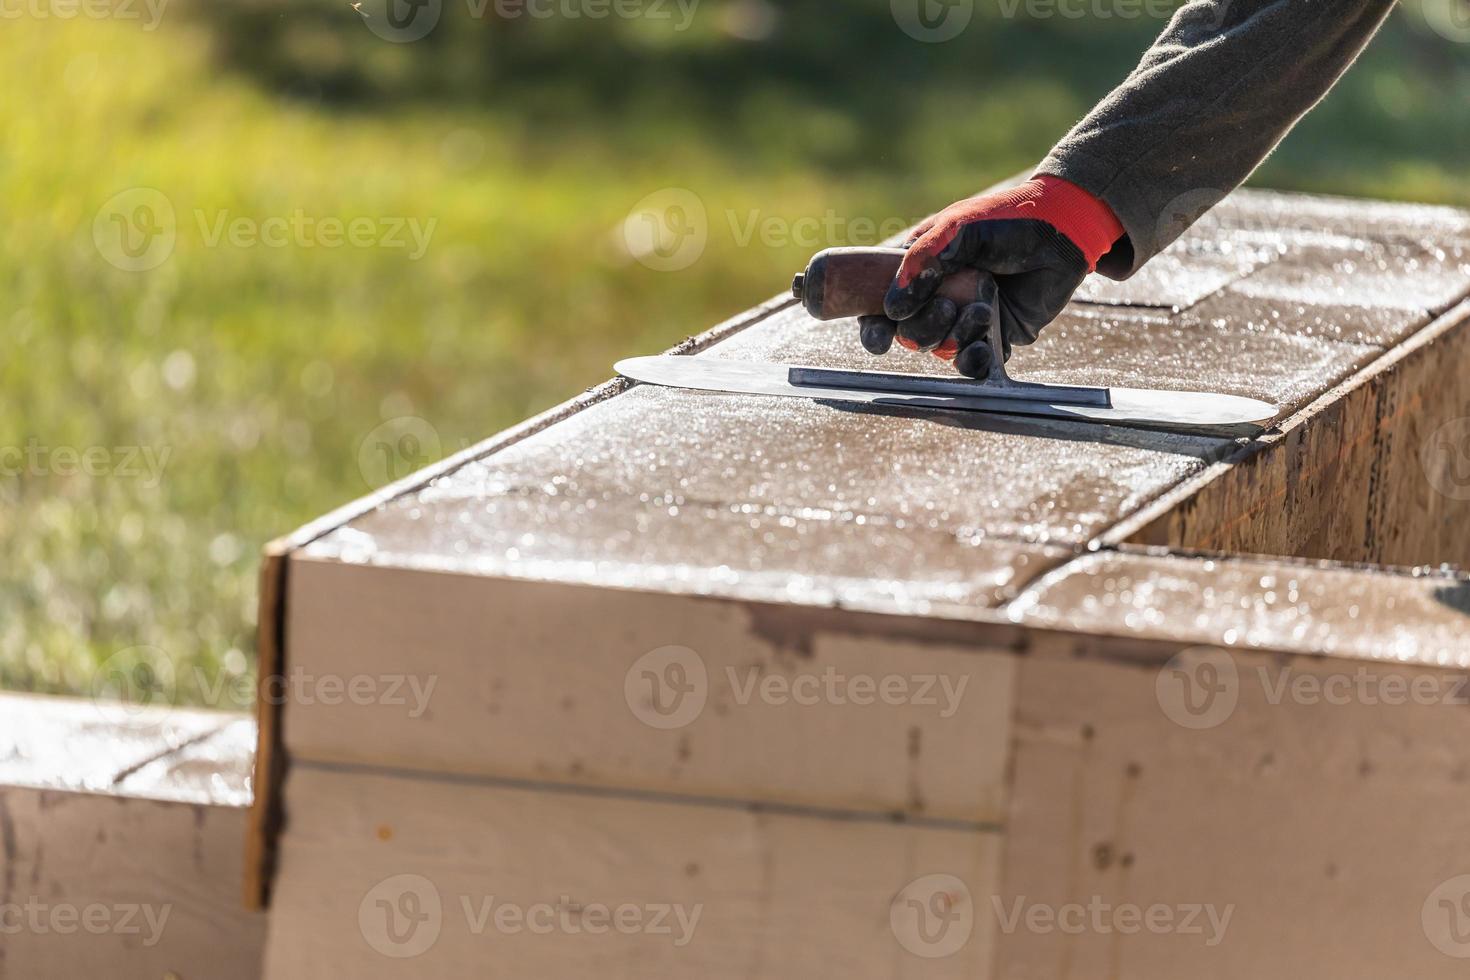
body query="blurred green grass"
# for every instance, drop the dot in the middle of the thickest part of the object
(261, 375)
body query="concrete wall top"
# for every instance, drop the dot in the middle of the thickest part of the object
(1274, 296)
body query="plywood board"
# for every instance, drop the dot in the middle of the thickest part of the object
(412, 877)
(673, 694)
(122, 887)
(1275, 816)
(1375, 471)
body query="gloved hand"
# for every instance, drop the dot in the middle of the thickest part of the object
(1038, 240)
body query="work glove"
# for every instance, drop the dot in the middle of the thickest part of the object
(1038, 241)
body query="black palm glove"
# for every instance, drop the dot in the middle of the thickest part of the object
(1037, 241)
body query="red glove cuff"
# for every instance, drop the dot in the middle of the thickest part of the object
(1086, 221)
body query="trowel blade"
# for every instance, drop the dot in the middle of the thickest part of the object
(1190, 411)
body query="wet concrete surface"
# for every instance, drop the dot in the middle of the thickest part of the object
(1280, 367)
(662, 487)
(1244, 602)
(1180, 276)
(1284, 215)
(216, 769)
(93, 746)
(1378, 326)
(1365, 275)
(1098, 345)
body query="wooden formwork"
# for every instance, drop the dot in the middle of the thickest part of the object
(120, 834)
(1103, 725)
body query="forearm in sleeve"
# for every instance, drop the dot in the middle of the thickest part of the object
(1211, 98)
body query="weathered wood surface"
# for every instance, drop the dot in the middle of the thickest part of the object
(1271, 821)
(1377, 471)
(121, 834)
(648, 692)
(390, 876)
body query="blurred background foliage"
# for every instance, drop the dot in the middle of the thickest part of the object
(261, 376)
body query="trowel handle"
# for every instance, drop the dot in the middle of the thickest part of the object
(842, 282)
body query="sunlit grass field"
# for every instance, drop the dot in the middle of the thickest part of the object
(170, 403)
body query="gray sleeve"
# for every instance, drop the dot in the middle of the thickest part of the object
(1218, 90)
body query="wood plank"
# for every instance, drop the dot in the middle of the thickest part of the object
(1243, 602)
(768, 894)
(1372, 472)
(105, 885)
(551, 682)
(1326, 828)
